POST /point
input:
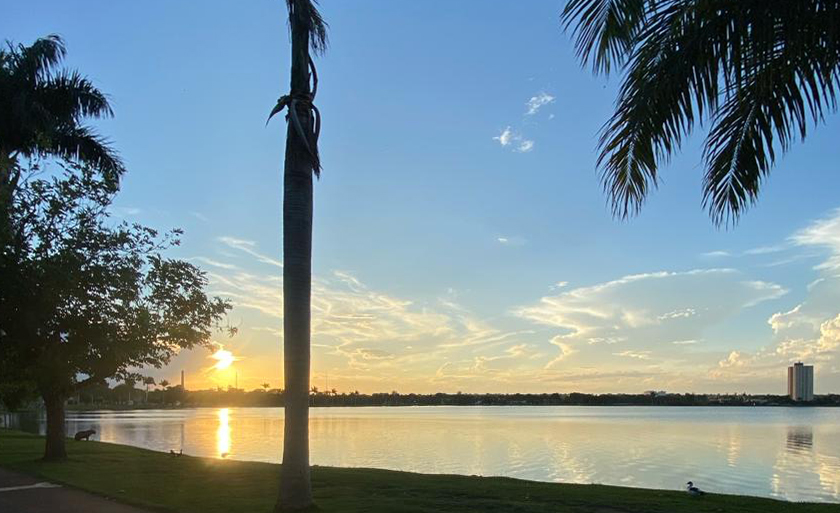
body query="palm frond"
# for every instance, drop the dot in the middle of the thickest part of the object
(308, 16)
(672, 80)
(81, 144)
(761, 71)
(69, 95)
(38, 60)
(784, 87)
(605, 31)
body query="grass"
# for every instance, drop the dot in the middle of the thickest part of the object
(206, 485)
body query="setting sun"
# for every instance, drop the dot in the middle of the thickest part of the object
(224, 359)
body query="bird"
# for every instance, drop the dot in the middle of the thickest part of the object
(693, 490)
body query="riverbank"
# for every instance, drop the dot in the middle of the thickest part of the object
(207, 485)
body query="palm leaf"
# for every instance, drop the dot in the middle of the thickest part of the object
(605, 31)
(760, 70)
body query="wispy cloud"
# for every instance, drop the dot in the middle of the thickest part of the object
(126, 211)
(215, 263)
(639, 355)
(247, 246)
(514, 140)
(510, 240)
(535, 103)
(525, 145)
(716, 254)
(824, 233)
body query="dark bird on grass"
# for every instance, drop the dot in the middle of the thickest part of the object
(693, 490)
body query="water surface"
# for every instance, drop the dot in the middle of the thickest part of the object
(789, 453)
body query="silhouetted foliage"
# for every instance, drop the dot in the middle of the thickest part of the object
(85, 299)
(758, 72)
(234, 397)
(42, 113)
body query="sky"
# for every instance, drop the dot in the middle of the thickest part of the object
(461, 239)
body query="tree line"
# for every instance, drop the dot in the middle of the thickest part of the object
(125, 395)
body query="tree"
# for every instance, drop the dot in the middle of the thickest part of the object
(759, 72)
(164, 384)
(307, 29)
(265, 386)
(148, 380)
(84, 300)
(42, 109)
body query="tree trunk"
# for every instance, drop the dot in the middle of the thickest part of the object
(295, 488)
(54, 449)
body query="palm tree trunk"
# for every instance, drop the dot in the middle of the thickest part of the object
(295, 488)
(55, 449)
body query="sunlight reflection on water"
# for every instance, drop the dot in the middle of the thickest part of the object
(223, 433)
(791, 453)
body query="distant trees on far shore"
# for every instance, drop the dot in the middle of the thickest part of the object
(103, 397)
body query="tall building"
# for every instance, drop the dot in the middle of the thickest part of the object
(801, 382)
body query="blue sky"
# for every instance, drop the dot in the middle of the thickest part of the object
(439, 249)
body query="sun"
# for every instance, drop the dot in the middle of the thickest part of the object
(224, 359)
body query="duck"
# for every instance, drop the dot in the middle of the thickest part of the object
(693, 490)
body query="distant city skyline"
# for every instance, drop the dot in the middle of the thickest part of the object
(461, 237)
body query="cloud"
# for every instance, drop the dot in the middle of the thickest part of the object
(514, 140)
(525, 145)
(644, 312)
(823, 233)
(199, 216)
(566, 350)
(677, 314)
(510, 240)
(716, 254)
(535, 103)
(506, 137)
(639, 355)
(215, 263)
(765, 250)
(684, 342)
(247, 246)
(126, 211)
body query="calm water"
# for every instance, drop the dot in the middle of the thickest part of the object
(790, 453)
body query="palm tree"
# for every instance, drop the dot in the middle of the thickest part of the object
(148, 380)
(165, 385)
(759, 72)
(42, 109)
(307, 29)
(265, 386)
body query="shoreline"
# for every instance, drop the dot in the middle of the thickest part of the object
(206, 485)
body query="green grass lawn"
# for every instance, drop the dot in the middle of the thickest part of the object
(207, 485)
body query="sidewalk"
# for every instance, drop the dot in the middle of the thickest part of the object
(24, 494)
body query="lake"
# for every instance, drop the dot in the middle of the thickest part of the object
(788, 453)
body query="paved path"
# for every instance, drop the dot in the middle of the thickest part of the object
(24, 494)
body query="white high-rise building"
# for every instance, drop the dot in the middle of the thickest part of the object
(801, 382)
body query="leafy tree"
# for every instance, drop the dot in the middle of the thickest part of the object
(308, 29)
(760, 72)
(84, 300)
